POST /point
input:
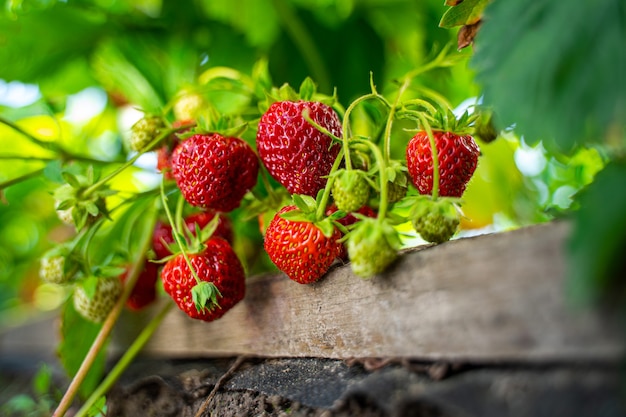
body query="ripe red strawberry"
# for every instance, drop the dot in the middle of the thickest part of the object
(299, 248)
(162, 235)
(217, 265)
(213, 171)
(144, 291)
(294, 152)
(458, 157)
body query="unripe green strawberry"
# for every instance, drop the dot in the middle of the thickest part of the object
(435, 221)
(189, 106)
(351, 191)
(52, 268)
(57, 266)
(96, 307)
(372, 247)
(396, 189)
(145, 131)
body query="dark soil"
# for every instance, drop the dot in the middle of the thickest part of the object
(323, 387)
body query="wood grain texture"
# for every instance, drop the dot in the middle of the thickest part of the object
(491, 297)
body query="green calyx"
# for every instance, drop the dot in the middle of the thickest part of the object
(435, 220)
(372, 246)
(306, 92)
(212, 121)
(307, 211)
(204, 295)
(78, 202)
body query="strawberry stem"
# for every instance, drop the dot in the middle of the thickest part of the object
(107, 326)
(125, 360)
(176, 234)
(390, 117)
(347, 133)
(435, 155)
(132, 160)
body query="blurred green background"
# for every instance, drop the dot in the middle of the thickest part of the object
(77, 72)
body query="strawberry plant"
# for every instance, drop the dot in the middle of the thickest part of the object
(210, 167)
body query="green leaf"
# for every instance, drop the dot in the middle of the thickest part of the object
(596, 248)
(466, 13)
(98, 409)
(307, 89)
(90, 284)
(564, 87)
(42, 380)
(71, 179)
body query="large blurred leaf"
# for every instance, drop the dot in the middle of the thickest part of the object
(40, 43)
(555, 68)
(596, 262)
(244, 16)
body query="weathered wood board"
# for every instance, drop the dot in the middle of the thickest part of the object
(492, 297)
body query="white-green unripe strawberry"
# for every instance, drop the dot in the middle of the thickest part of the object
(96, 304)
(53, 265)
(52, 269)
(435, 221)
(372, 247)
(189, 106)
(145, 131)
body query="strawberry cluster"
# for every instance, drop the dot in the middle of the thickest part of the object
(327, 196)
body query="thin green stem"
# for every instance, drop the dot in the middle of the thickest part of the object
(132, 160)
(304, 42)
(321, 209)
(51, 146)
(382, 167)
(8, 183)
(346, 131)
(107, 326)
(125, 360)
(176, 234)
(389, 124)
(27, 158)
(435, 155)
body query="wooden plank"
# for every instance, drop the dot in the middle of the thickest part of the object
(490, 297)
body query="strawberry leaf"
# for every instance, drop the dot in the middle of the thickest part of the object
(462, 13)
(305, 203)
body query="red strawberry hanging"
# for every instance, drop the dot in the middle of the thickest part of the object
(220, 280)
(458, 157)
(214, 171)
(301, 249)
(294, 152)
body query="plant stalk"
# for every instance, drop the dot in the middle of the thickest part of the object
(125, 360)
(106, 329)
